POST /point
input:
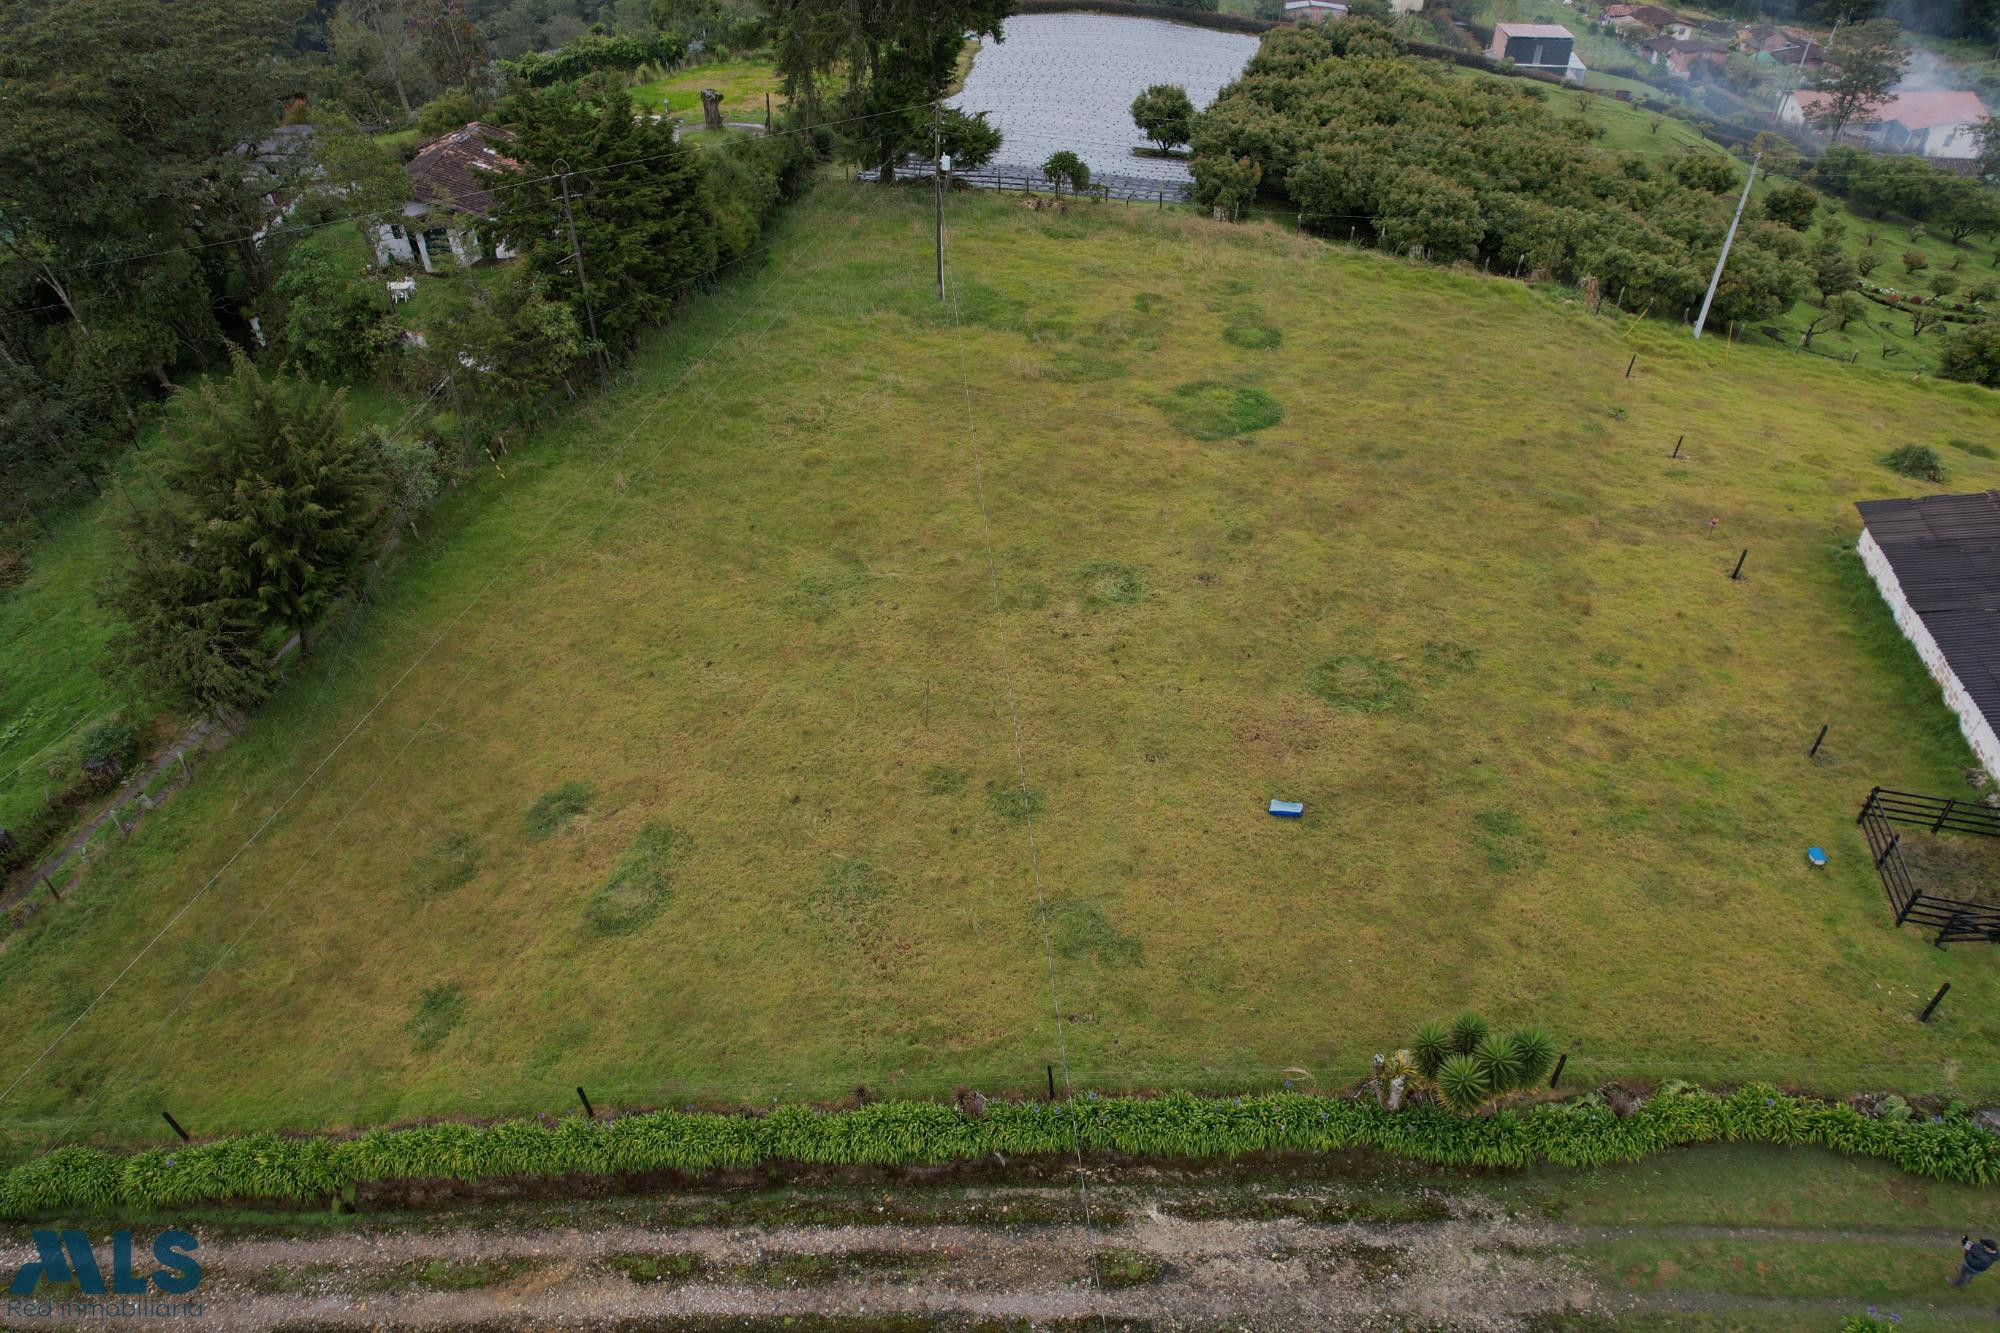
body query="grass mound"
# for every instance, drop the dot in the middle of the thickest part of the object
(554, 811)
(1107, 583)
(642, 881)
(1212, 410)
(1252, 335)
(450, 863)
(1013, 802)
(1915, 460)
(1079, 928)
(1356, 683)
(440, 1009)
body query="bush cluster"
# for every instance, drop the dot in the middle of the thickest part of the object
(81, 1180)
(596, 51)
(1364, 139)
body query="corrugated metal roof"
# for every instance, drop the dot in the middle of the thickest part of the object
(1533, 30)
(1945, 551)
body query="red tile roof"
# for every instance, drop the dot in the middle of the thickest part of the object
(444, 171)
(1918, 109)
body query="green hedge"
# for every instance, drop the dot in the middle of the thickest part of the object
(594, 51)
(78, 1180)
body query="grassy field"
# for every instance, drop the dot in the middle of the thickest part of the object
(681, 763)
(742, 83)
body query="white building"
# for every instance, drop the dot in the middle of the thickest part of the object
(1936, 561)
(1935, 122)
(449, 200)
(1546, 48)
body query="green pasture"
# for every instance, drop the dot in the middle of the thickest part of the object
(866, 681)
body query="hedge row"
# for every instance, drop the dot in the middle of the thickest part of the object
(80, 1180)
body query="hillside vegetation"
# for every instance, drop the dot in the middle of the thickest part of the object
(680, 762)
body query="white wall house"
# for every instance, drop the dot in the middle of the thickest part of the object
(1935, 122)
(440, 223)
(1936, 562)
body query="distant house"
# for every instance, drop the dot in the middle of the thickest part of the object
(1935, 122)
(1780, 45)
(1686, 57)
(1546, 47)
(448, 200)
(1647, 20)
(1936, 562)
(1314, 11)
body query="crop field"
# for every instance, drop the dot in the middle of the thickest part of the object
(868, 682)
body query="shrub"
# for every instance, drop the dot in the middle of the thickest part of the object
(1461, 1082)
(1066, 168)
(1534, 1050)
(1429, 1047)
(1792, 205)
(1915, 460)
(1973, 355)
(1914, 261)
(1498, 1066)
(1467, 1032)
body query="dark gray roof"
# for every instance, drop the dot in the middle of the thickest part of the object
(1945, 550)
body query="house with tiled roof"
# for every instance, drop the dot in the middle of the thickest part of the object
(1685, 58)
(449, 198)
(1935, 122)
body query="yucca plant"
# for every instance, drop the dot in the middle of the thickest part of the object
(1498, 1066)
(1467, 1031)
(1461, 1082)
(1429, 1048)
(1534, 1050)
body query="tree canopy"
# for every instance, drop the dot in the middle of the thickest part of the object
(1360, 136)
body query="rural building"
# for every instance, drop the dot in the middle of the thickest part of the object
(1935, 122)
(1646, 21)
(448, 201)
(1778, 45)
(1936, 561)
(1548, 48)
(1686, 57)
(1314, 11)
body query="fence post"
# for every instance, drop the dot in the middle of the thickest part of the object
(1557, 1072)
(1925, 1016)
(177, 1126)
(1052, 1082)
(1868, 805)
(1817, 739)
(1944, 814)
(589, 1111)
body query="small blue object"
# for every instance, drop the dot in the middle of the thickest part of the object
(1815, 856)
(1288, 809)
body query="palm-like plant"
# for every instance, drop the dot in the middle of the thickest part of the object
(1461, 1083)
(1429, 1048)
(1534, 1050)
(1499, 1067)
(1467, 1031)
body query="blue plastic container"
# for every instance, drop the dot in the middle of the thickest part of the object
(1288, 809)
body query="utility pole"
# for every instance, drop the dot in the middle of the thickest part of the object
(583, 284)
(938, 168)
(1727, 241)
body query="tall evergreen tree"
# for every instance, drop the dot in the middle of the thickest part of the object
(255, 522)
(640, 201)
